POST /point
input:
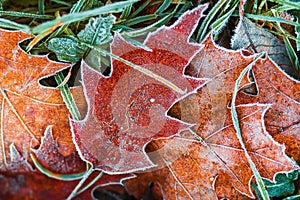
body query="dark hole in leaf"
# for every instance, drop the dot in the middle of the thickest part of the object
(74, 79)
(112, 192)
(39, 49)
(175, 111)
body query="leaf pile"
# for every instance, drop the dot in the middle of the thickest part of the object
(164, 113)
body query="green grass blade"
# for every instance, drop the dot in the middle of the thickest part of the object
(62, 3)
(76, 8)
(278, 8)
(63, 177)
(137, 11)
(22, 14)
(296, 5)
(255, 6)
(291, 52)
(295, 197)
(285, 35)
(221, 22)
(235, 119)
(149, 28)
(164, 6)
(75, 17)
(91, 183)
(184, 7)
(297, 31)
(41, 7)
(81, 182)
(271, 19)
(126, 12)
(140, 19)
(5, 23)
(205, 24)
(67, 96)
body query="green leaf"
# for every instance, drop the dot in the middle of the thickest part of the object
(67, 49)
(97, 31)
(283, 185)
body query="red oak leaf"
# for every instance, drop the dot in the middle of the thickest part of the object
(127, 110)
(212, 165)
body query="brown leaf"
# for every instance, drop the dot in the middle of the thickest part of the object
(127, 110)
(291, 138)
(210, 101)
(207, 106)
(279, 89)
(212, 164)
(27, 108)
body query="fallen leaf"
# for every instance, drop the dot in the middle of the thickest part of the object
(279, 89)
(127, 110)
(250, 36)
(27, 108)
(206, 107)
(291, 138)
(211, 99)
(212, 165)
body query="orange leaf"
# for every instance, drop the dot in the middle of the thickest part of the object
(27, 108)
(212, 164)
(282, 91)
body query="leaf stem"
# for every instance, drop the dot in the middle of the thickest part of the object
(234, 115)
